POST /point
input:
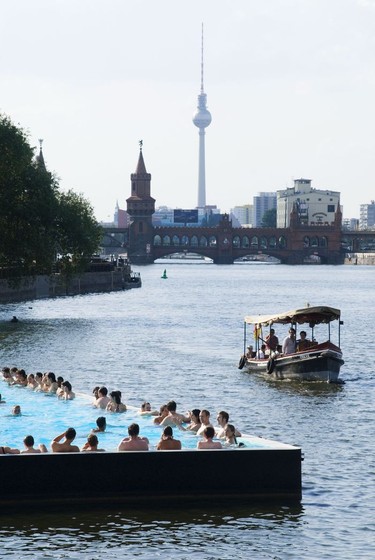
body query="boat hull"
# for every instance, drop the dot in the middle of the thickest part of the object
(322, 365)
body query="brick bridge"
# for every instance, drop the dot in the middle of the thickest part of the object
(224, 244)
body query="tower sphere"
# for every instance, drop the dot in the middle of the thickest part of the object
(202, 118)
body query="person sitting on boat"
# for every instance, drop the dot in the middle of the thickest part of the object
(103, 399)
(134, 442)
(223, 419)
(272, 341)
(204, 417)
(289, 342)
(115, 404)
(167, 442)
(260, 355)
(207, 442)
(303, 343)
(249, 353)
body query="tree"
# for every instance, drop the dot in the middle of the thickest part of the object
(36, 220)
(269, 218)
(78, 233)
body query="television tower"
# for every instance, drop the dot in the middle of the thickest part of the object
(202, 119)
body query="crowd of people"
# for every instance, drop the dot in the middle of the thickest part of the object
(271, 346)
(196, 421)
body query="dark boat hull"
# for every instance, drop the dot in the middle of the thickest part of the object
(319, 365)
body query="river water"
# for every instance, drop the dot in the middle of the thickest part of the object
(181, 338)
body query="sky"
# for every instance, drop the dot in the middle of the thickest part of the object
(290, 86)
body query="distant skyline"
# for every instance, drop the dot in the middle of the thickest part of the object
(291, 84)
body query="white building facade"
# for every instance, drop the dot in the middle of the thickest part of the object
(314, 206)
(367, 216)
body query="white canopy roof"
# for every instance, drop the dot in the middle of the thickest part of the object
(315, 315)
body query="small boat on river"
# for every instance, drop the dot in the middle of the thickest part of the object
(306, 359)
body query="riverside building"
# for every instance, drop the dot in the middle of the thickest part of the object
(313, 206)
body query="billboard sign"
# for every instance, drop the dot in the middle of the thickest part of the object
(181, 216)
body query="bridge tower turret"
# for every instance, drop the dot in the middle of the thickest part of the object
(140, 207)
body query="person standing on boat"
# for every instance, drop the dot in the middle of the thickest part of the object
(289, 342)
(272, 341)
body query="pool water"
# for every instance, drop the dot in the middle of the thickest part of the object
(44, 416)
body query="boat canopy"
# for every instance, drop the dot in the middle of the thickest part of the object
(312, 315)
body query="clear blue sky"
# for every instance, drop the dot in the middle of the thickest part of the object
(290, 86)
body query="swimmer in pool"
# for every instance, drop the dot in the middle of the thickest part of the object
(167, 442)
(101, 424)
(16, 410)
(207, 442)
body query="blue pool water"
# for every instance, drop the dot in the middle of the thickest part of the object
(44, 416)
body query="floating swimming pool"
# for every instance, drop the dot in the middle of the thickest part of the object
(261, 470)
(44, 416)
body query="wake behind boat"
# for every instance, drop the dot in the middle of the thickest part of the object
(304, 359)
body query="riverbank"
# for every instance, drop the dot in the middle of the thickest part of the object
(57, 285)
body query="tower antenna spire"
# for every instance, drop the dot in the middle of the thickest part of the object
(202, 119)
(202, 89)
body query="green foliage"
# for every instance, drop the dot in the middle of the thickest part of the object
(37, 221)
(269, 218)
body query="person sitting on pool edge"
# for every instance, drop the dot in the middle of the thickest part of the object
(207, 442)
(134, 442)
(91, 444)
(66, 446)
(29, 446)
(4, 450)
(167, 442)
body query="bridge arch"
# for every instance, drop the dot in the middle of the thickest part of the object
(194, 241)
(203, 241)
(157, 240)
(175, 240)
(236, 242)
(166, 241)
(245, 243)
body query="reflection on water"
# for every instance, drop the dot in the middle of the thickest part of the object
(181, 338)
(149, 534)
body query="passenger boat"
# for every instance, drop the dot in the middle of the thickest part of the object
(311, 361)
